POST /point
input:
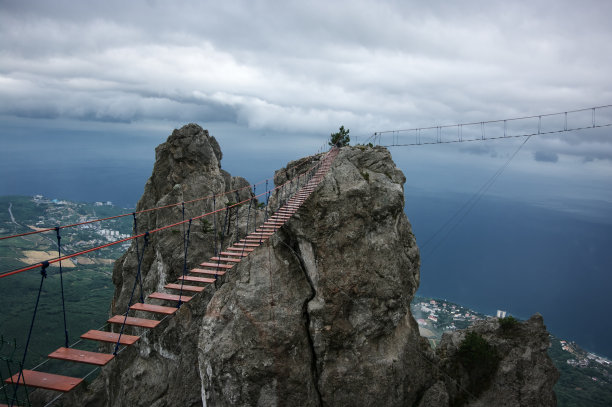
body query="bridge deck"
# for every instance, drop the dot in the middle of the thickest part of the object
(81, 356)
(110, 337)
(48, 381)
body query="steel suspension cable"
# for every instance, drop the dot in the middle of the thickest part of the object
(59, 254)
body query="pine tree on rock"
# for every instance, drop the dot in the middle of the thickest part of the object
(341, 138)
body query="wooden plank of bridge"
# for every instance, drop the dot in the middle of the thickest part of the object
(81, 356)
(141, 322)
(185, 287)
(157, 309)
(47, 381)
(110, 337)
(215, 265)
(240, 249)
(204, 279)
(170, 297)
(227, 259)
(234, 254)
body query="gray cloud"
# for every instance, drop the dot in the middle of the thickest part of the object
(546, 156)
(304, 67)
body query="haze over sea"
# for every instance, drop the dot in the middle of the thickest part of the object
(504, 254)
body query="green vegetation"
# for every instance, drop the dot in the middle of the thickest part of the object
(365, 176)
(363, 147)
(580, 386)
(480, 360)
(341, 138)
(577, 386)
(88, 287)
(508, 325)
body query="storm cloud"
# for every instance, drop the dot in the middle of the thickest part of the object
(546, 156)
(305, 65)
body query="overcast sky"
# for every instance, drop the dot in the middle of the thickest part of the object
(278, 77)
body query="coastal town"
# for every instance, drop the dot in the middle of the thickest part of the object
(28, 214)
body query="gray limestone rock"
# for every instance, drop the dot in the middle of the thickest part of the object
(317, 316)
(524, 376)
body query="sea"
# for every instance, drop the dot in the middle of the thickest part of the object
(503, 255)
(519, 258)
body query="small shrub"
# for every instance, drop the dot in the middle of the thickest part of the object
(365, 176)
(508, 323)
(206, 226)
(480, 360)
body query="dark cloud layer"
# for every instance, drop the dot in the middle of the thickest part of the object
(305, 66)
(546, 156)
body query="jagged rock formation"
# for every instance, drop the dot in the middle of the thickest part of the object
(524, 375)
(322, 315)
(318, 315)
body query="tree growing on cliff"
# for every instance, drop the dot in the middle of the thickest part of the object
(341, 138)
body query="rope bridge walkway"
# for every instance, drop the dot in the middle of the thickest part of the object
(289, 198)
(550, 123)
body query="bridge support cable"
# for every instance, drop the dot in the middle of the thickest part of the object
(215, 227)
(43, 276)
(248, 218)
(550, 123)
(225, 224)
(8, 361)
(267, 200)
(467, 207)
(186, 247)
(255, 210)
(59, 255)
(237, 218)
(137, 253)
(234, 255)
(136, 279)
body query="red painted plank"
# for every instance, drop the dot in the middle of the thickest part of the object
(185, 287)
(215, 265)
(81, 356)
(239, 249)
(46, 381)
(110, 337)
(206, 280)
(141, 322)
(227, 259)
(157, 309)
(234, 254)
(170, 297)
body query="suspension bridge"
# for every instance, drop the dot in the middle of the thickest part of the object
(525, 126)
(288, 199)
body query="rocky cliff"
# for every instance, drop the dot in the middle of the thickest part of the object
(318, 315)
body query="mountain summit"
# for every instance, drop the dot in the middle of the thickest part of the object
(317, 315)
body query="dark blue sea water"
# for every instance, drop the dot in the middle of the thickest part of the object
(520, 258)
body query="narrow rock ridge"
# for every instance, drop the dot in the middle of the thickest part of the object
(317, 316)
